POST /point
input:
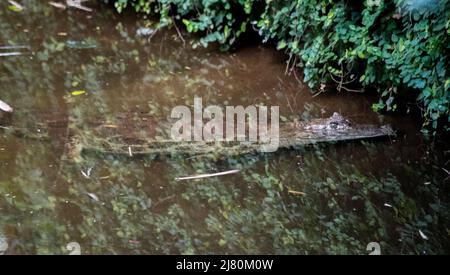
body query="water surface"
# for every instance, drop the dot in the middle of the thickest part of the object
(391, 191)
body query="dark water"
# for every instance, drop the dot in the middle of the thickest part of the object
(391, 191)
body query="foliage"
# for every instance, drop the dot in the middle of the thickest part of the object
(221, 21)
(393, 46)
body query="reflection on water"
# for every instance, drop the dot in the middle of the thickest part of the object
(319, 199)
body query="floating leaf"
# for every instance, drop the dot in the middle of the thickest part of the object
(222, 242)
(5, 107)
(14, 8)
(80, 92)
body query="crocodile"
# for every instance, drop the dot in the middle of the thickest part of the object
(136, 134)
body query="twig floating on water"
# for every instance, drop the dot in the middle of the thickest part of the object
(14, 47)
(88, 172)
(422, 235)
(57, 5)
(293, 192)
(446, 171)
(77, 4)
(202, 176)
(163, 200)
(10, 54)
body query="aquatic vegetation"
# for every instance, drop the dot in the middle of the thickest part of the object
(343, 209)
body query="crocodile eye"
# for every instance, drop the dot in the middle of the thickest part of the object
(334, 124)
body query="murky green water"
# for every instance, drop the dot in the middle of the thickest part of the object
(394, 192)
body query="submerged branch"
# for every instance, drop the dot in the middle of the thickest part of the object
(178, 31)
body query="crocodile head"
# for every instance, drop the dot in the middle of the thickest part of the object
(335, 122)
(337, 128)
